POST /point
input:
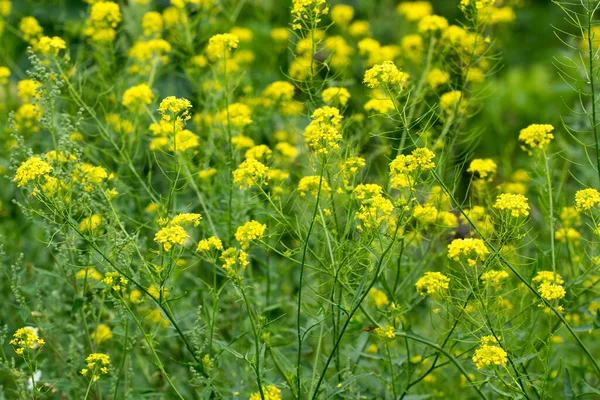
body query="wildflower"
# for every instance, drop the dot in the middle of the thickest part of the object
(536, 136)
(186, 218)
(308, 10)
(279, 91)
(586, 199)
(414, 10)
(31, 29)
(210, 244)
(280, 35)
(310, 184)
(170, 236)
(493, 277)
(26, 118)
(105, 16)
(432, 282)
(412, 47)
(386, 332)
(516, 204)
(90, 223)
(250, 173)
(236, 114)
(27, 90)
(88, 273)
(26, 339)
(359, 28)
(221, 45)
(260, 152)
(374, 212)
(551, 291)
(569, 216)
(323, 132)
(385, 74)
(50, 45)
(565, 235)
(115, 281)
(379, 297)
(453, 102)
(483, 168)
(137, 96)
(287, 150)
(98, 364)
(270, 393)
(175, 107)
(367, 191)
(101, 333)
(470, 249)
(436, 78)
(248, 232)
(4, 75)
(342, 14)
(548, 276)
(336, 94)
(152, 24)
(30, 170)
(432, 23)
(233, 256)
(489, 354)
(350, 168)
(405, 168)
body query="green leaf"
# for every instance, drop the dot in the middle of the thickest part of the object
(568, 390)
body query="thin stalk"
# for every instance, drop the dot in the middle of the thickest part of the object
(590, 15)
(256, 343)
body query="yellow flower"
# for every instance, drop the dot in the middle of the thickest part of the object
(359, 28)
(405, 168)
(432, 282)
(487, 355)
(170, 236)
(310, 184)
(4, 75)
(115, 281)
(453, 102)
(50, 45)
(279, 91)
(280, 35)
(548, 276)
(210, 244)
(385, 74)
(342, 14)
(269, 392)
(90, 223)
(31, 29)
(308, 11)
(104, 18)
(152, 24)
(436, 78)
(336, 95)
(493, 277)
(374, 212)
(483, 168)
(236, 114)
(565, 235)
(248, 232)
(186, 218)
(28, 90)
(516, 204)
(586, 199)
(98, 363)
(414, 10)
(101, 333)
(136, 96)
(175, 107)
(536, 136)
(30, 170)
(221, 45)
(386, 332)
(432, 23)
(471, 250)
(260, 152)
(26, 339)
(379, 297)
(323, 133)
(551, 291)
(88, 273)
(250, 173)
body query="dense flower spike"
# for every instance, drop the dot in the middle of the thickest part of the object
(432, 282)
(469, 250)
(248, 232)
(516, 204)
(31, 170)
(385, 74)
(536, 136)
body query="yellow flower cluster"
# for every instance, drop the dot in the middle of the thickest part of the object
(323, 133)
(350, 168)
(172, 106)
(101, 333)
(548, 276)
(414, 10)
(104, 18)
(469, 250)
(31, 29)
(221, 45)
(516, 204)
(483, 168)
(170, 236)
(551, 291)
(374, 212)
(186, 218)
(432, 23)
(493, 277)
(26, 339)
(269, 393)
(210, 244)
(279, 91)
(536, 136)
(250, 173)
(236, 114)
(404, 169)
(432, 282)
(342, 14)
(28, 90)
(50, 45)
(586, 199)
(379, 297)
(248, 232)
(386, 332)
(90, 223)
(115, 281)
(385, 74)
(436, 78)
(137, 96)
(489, 354)
(334, 95)
(98, 364)
(4, 75)
(453, 101)
(30, 170)
(310, 184)
(233, 256)
(308, 12)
